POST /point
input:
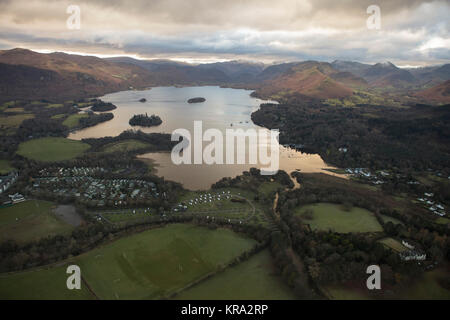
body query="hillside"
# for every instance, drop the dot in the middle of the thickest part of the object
(59, 76)
(433, 75)
(356, 68)
(312, 79)
(387, 74)
(176, 73)
(236, 71)
(436, 94)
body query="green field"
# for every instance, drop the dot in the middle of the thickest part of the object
(54, 105)
(266, 188)
(83, 104)
(393, 244)
(30, 220)
(343, 293)
(40, 284)
(156, 262)
(148, 265)
(15, 110)
(127, 215)
(73, 120)
(58, 116)
(7, 104)
(442, 220)
(254, 279)
(124, 146)
(52, 149)
(5, 167)
(14, 121)
(224, 208)
(428, 287)
(327, 216)
(387, 219)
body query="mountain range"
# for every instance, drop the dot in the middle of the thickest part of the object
(25, 74)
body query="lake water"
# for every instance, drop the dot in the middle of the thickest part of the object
(223, 109)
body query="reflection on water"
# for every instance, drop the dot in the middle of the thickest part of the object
(224, 108)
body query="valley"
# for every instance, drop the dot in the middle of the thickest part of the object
(364, 168)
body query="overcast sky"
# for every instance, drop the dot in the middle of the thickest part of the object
(412, 32)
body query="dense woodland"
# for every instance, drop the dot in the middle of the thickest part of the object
(377, 137)
(144, 120)
(101, 106)
(44, 124)
(399, 140)
(339, 258)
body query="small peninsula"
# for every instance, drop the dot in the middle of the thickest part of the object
(100, 106)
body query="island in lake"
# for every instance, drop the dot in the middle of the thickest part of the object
(143, 100)
(196, 100)
(144, 120)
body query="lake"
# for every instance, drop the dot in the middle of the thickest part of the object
(224, 108)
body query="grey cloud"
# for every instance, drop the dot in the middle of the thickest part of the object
(281, 30)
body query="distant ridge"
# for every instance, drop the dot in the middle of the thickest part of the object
(312, 79)
(61, 76)
(437, 94)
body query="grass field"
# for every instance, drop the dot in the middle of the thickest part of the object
(54, 105)
(73, 120)
(52, 149)
(266, 188)
(15, 110)
(327, 216)
(343, 293)
(153, 263)
(7, 104)
(14, 121)
(59, 116)
(428, 287)
(254, 279)
(218, 206)
(387, 219)
(147, 265)
(5, 167)
(40, 284)
(124, 146)
(393, 244)
(30, 220)
(442, 220)
(128, 215)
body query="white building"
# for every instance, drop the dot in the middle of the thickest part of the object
(406, 244)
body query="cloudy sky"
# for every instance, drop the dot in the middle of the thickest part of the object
(412, 32)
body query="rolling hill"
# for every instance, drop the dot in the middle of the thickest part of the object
(387, 74)
(433, 75)
(436, 94)
(312, 79)
(58, 76)
(176, 73)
